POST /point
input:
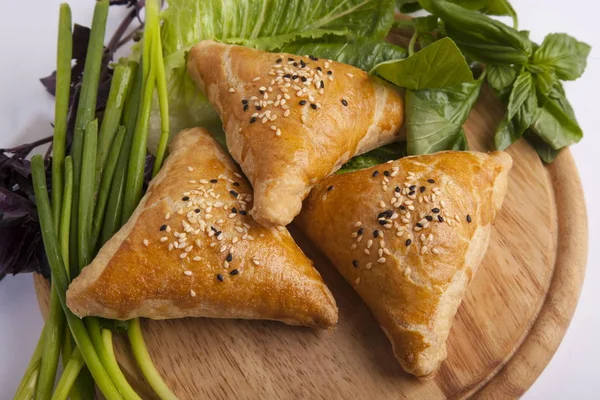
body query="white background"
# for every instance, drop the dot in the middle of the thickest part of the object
(27, 52)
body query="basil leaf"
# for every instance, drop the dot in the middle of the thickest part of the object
(380, 155)
(506, 134)
(501, 76)
(426, 24)
(363, 54)
(439, 65)
(545, 81)
(480, 36)
(566, 55)
(546, 153)
(523, 90)
(434, 118)
(555, 126)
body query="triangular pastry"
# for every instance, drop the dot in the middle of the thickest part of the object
(190, 249)
(292, 120)
(409, 235)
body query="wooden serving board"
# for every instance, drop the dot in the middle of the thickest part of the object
(509, 325)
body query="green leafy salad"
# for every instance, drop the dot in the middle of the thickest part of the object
(113, 121)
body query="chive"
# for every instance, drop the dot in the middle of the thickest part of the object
(107, 178)
(86, 195)
(119, 87)
(60, 279)
(163, 100)
(86, 109)
(140, 352)
(54, 329)
(65, 222)
(26, 387)
(61, 108)
(69, 375)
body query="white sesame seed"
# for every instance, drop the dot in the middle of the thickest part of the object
(435, 251)
(167, 215)
(381, 260)
(369, 265)
(188, 273)
(367, 252)
(386, 252)
(145, 241)
(192, 293)
(163, 239)
(170, 246)
(357, 281)
(197, 258)
(369, 243)
(353, 246)
(382, 204)
(358, 224)
(256, 79)
(358, 239)
(407, 271)
(183, 255)
(350, 75)
(423, 249)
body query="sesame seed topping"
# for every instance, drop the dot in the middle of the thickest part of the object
(220, 277)
(469, 219)
(408, 242)
(145, 241)
(375, 173)
(163, 227)
(188, 273)
(350, 75)
(381, 260)
(355, 263)
(231, 90)
(192, 293)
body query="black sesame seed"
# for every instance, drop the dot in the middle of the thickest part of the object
(375, 233)
(314, 59)
(278, 60)
(303, 79)
(397, 189)
(287, 75)
(469, 219)
(429, 218)
(313, 106)
(430, 181)
(185, 198)
(355, 263)
(408, 242)
(244, 101)
(411, 192)
(319, 68)
(322, 84)
(435, 210)
(344, 103)
(236, 184)
(302, 102)
(440, 218)
(295, 64)
(386, 214)
(360, 231)
(419, 224)
(245, 107)
(163, 227)
(243, 212)
(386, 173)
(382, 222)
(294, 77)
(217, 233)
(258, 108)
(290, 59)
(220, 277)
(234, 210)
(229, 257)
(402, 207)
(252, 120)
(197, 211)
(262, 91)
(329, 188)
(214, 229)
(213, 181)
(329, 72)
(422, 189)
(234, 272)
(375, 174)
(413, 187)
(302, 64)
(233, 193)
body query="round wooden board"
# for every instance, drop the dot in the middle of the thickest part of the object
(509, 325)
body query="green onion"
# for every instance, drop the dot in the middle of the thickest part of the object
(86, 195)
(69, 375)
(111, 120)
(54, 329)
(65, 222)
(107, 178)
(86, 110)
(61, 108)
(140, 352)
(26, 387)
(163, 100)
(61, 280)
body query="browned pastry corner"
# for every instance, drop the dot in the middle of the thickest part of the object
(408, 236)
(191, 250)
(292, 120)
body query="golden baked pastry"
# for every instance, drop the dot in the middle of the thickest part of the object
(292, 120)
(191, 250)
(409, 236)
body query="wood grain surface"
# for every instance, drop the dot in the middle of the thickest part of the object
(512, 320)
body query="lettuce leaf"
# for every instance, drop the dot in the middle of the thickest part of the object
(262, 24)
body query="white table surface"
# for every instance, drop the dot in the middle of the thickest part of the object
(27, 49)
